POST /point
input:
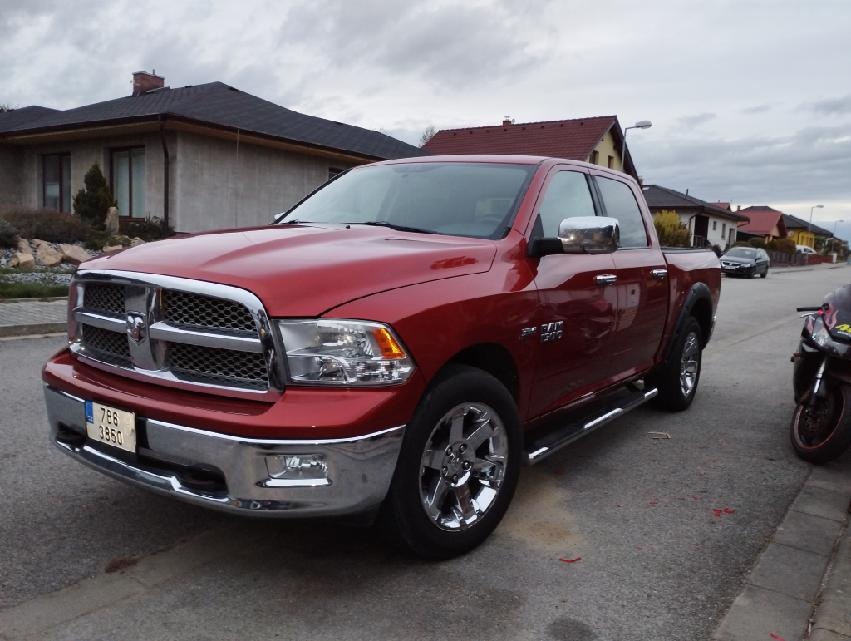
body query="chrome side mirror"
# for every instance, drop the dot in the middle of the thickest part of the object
(589, 235)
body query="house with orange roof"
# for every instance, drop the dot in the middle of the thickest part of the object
(763, 222)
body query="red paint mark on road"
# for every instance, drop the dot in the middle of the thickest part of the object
(653, 502)
(576, 560)
(718, 512)
(776, 636)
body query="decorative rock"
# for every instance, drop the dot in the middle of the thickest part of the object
(24, 246)
(73, 254)
(112, 248)
(46, 255)
(112, 220)
(22, 260)
(135, 242)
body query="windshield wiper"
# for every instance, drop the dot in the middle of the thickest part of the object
(384, 223)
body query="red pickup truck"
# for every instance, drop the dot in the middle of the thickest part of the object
(395, 345)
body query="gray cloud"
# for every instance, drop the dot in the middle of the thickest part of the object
(831, 106)
(695, 120)
(756, 109)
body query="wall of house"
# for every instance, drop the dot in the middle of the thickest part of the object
(802, 237)
(84, 154)
(605, 148)
(10, 176)
(219, 184)
(715, 228)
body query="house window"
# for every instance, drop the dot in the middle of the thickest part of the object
(334, 171)
(611, 162)
(56, 182)
(595, 155)
(128, 180)
(723, 230)
(714, 225)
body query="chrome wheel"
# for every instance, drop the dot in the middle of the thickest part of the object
(689, 364)
(463, 466)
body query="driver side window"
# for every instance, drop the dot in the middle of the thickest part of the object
(567, 195)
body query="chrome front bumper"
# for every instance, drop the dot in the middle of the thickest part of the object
(232, 473)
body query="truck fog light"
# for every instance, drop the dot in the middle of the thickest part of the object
(297, 469)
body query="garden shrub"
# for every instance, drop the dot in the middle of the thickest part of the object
(669, 229)
(759, 243)
(46, 224)
(784, 245)
(149, 229)
(92, 203)
(8, 234)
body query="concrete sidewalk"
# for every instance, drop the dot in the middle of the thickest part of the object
(21, 317)
(800, 587)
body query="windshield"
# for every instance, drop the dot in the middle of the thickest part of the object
(477, 200)
(741, 252)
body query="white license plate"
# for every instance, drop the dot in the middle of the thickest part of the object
(111, 426)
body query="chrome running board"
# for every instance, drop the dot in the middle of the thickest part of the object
(586, 421)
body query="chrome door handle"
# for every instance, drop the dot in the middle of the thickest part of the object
(605, 279)
(659, 274)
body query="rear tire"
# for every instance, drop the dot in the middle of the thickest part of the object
(458, 467)
(678, 377)
(823, 433)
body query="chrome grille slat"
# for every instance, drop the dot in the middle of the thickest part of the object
(189, 333)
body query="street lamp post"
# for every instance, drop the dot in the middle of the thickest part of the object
(641, 124)
(810, 226)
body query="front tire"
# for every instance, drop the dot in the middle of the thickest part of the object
(678, 377)
(821, 433)
(765, 273)
(458, 467)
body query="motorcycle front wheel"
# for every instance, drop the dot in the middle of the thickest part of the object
(821, 431)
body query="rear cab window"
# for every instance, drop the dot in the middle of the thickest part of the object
(620, 203)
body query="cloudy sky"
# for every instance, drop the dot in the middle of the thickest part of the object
(751, 101)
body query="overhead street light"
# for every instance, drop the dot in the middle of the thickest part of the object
(810, 226)
(641, 124)
(841, 220)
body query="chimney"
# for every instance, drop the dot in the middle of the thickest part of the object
(506, 120)
(144, 81)
(738, 208)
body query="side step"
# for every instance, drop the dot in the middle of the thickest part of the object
(547, 441)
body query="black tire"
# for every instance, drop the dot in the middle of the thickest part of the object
(403, 514)
(764, 274)
(674, 395)
(820, 440)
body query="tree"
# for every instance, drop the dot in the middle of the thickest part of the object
(92, 203)
(670, 230)
(428, 134)
(5, 107)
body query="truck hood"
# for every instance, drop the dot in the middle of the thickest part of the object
(305, 270)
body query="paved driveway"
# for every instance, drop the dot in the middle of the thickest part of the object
(656, 561)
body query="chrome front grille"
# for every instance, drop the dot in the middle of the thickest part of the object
(108, 345)
(190, 334)
(195, 310)
(219, 365)
(104, 298)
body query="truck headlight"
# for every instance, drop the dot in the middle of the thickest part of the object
(343, 352)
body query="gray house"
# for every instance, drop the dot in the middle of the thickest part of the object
(201, 157)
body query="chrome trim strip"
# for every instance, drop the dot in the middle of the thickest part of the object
(102, 321)
(540, 454)
(143, 299)
(165, 331)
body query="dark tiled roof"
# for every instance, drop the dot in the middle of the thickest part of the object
(793, 222)
(572, 139)
(218, 104)
(17, 117)
(659, 197)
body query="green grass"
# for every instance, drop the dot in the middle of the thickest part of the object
(32, 290)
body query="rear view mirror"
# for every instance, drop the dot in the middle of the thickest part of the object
(589, 235)
(580, 235)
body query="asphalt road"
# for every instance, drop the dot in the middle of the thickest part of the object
(656, 561)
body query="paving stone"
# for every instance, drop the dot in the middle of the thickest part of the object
(758, 613)
(808, 532)
(822, 502)
(792, 571)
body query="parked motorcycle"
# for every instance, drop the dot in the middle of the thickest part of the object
(821, 423)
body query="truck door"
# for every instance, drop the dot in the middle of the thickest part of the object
(578, 308)
(642, 283)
